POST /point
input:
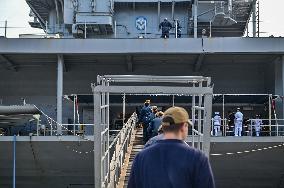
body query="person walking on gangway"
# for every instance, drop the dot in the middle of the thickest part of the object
(145, 118)
(238, 122)
(170, 162)
(216, 123)
(155, 124)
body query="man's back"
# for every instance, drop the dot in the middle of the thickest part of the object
(154, 126)
(165, 25)
(217, 120)
(170, 164)
(145, 114)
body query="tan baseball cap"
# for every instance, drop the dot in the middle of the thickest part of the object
(178, 115)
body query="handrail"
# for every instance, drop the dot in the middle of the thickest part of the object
(121, 143)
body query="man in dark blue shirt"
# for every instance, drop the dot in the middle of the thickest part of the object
(145, 118)
(155, 125)
(171, 163)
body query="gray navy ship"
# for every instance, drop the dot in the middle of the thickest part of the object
(69, 98)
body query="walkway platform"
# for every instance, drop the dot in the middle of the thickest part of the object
(136, 146)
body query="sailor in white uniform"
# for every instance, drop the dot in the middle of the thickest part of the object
(257, 125)
(216, 123)
(238, 122)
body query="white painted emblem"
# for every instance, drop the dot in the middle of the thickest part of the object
(141, 23)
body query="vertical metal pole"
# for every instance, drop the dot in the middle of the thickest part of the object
(14, 161)
(57, 13)
(212, 128)
(115, 29)
(207, 123)
(210, 35)
(173, 100)
(103, 138)
(193, 116)
(254, 18)
(46, 28)
(123, 108)
(173, 10)
(85, 30)
(193, 109)
(107, 122)
(277, 129)
(225, 128)
(51, 127)
(199, 114)
(248, 29)
(258, 19)
(97, 141)
(192, 141)
(269, 109)
(250, 127)
(37, 124)
(6, 23)
(230, 6)
(74, 114)
(195, 7)
(224, 125)
(60, 62)
(145, 30)
(176, 29)
(159, 12)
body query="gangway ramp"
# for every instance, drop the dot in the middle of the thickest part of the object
(199, 88)
(135, 147)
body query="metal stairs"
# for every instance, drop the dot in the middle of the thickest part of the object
(136, 146)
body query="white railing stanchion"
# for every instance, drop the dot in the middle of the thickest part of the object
(51, 128)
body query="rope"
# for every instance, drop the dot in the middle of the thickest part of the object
(248, 151)
(52, 120)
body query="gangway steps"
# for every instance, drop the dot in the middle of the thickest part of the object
(137, 145)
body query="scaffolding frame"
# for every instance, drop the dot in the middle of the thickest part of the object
(197, 86)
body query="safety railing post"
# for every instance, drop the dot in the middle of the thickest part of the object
(97, 142)
(37, 126)
(269, 108)
(223, 109)
(123, 108)
(277, 130)
(192, 137)
(199, 114)
(51, 127)
(74, 115)
(14, 161)
(211, 127)
(207, 128)
(193, 115)
(225, 127)
(250, 127)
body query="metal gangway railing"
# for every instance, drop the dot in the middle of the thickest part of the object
(119, 148)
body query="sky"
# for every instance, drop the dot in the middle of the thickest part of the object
(16, 12)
